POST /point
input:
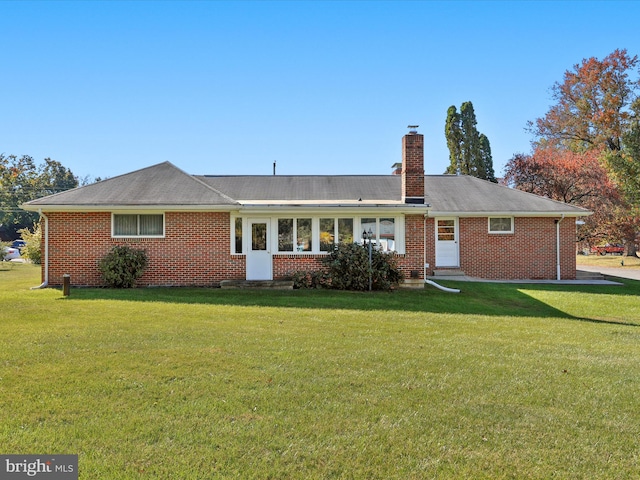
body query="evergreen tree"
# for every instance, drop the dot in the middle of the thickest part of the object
(487, 159)
(469, 151)
(470, 141)
(453, 135)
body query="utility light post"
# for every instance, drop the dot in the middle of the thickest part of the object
(369, 235)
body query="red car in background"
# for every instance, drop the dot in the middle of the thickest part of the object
(611, 248)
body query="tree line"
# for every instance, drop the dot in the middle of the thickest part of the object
(22, 180)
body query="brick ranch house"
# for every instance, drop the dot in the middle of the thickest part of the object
(201, 230)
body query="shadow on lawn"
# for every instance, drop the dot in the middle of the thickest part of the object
(493, 299)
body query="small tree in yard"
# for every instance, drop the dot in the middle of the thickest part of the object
(32, 250)
(347, 268)
(122, 266)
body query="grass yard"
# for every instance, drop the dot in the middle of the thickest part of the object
(497, 382)
(608, 261)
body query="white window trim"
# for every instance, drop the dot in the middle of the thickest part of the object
(500, 232)
(113, 225)
(399, 226)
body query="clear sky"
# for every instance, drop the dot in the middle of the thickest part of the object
(320, 87)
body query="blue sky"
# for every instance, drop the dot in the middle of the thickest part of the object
(320, 87)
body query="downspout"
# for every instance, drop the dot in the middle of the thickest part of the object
(558, 247)
(46, 252)
(424, 247)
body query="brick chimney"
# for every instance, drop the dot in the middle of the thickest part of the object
(413, 166)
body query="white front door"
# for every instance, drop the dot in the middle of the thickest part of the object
(447, 252)
(259, 263)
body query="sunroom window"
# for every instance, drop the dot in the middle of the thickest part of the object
(304, 234)
(285, 234)
(238, 235)
(320, 234)
(383, 233)
(327, 234)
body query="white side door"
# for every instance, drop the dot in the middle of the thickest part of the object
(259, 261)
(447, 251)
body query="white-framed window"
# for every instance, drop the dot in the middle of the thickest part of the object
(237, 235)
(500, 224)
(384, 232)
(307, 234)
(127, 225)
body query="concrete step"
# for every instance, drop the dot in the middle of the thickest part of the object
(584, 275)
(448, 272)
(259, 284)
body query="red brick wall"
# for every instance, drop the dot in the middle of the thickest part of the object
(285, 265)
(528, 253)
(413, 259)
(197, 255)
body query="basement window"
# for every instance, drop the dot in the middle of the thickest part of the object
(500, 224)
(138, 225)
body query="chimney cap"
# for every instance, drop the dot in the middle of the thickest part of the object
(413, 128)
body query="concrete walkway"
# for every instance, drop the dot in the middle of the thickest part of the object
(621, 272)
(464, 278)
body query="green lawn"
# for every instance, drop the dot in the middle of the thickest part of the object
(608, 261)
(499, 381)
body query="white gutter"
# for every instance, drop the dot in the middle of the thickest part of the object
(424, 249)
(558, 247)
(503, 213)
(46, 252)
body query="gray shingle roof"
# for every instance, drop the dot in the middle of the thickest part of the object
(162, 184)
(165, 185)
(321, 188)
(453, 194)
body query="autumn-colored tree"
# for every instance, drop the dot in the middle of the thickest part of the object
(593, 103)
(624, 168)
(569, 177)
(597, 106)
(469, 150)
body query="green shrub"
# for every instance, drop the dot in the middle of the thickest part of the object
(309, 279)
(32, 250)
(347, 268)
(122, 266)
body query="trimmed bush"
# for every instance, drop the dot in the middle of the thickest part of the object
(122, 266)
(347, 268)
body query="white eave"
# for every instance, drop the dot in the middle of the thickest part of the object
(254, 207)
(300, 207)
(114, 208)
